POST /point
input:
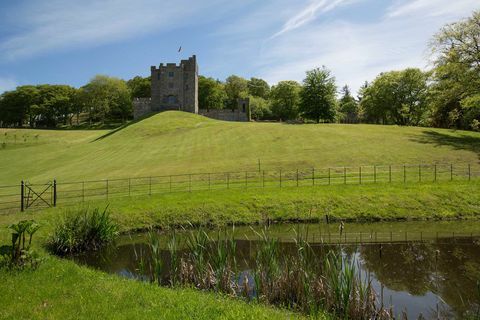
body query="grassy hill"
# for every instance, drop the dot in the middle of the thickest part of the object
(177, 142)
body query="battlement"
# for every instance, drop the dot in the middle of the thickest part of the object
(190, 62)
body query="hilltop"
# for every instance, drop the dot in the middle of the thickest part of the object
(177, 142)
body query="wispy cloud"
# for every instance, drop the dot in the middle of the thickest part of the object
(7, 84)
(308, 14)
(431, 7)
(60, 24)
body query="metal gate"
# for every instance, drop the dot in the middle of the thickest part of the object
(38, 195)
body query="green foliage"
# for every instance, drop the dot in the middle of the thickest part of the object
(258, 88)
(140, 87)
(348, 107)
(259, 108)
(106, 97)
(235, 87)
(318, 95)
(19, 254)
(211, 93)
(396, 97)
(81, 230)
(285, 100)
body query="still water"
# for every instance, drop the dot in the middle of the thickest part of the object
(428, 268)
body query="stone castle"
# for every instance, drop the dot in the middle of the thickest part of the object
(175, 87)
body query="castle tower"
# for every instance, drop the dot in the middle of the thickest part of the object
(175, 87)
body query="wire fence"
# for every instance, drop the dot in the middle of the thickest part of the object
(27, 196)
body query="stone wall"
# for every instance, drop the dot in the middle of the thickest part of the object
(225, 114)
(141, 107)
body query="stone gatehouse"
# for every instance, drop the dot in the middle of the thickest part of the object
(175, 87)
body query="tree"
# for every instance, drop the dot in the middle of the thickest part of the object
(258, 88)
(318, 99)
(285, 99)
(107, 97)
(19, 106)
(211, 93)
(348, 106)
(140, 87)
(397, 97)
(259, 108)
(235, 87)
(456, 76)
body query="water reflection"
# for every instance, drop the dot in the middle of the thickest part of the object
(437, 275)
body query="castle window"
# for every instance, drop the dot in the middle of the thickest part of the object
(170, 85)
(158, 76)
(172, 99)
(170, 74)
(186, 87)
(244, 107)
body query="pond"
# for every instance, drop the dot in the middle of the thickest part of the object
(427, 268)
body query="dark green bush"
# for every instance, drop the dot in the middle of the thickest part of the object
(82, 230)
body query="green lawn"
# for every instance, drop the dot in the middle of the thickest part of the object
(177, 142)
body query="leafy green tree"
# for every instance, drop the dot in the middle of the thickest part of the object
(285, 100)
(397, 97)
(140, 87)
(259, 108)
(107, 98)
(19, 106)
(318, 100)
(258, 88)
(348, 106)
(456, 76)
(235, 87)
(211, 93)
(55, 104)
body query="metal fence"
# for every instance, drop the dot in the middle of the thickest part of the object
(32, 196)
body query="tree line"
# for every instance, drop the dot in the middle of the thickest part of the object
(447, 96)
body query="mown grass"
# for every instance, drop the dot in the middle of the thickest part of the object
(60, 289)
(177, 142)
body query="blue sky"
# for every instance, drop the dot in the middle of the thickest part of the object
(63, 41)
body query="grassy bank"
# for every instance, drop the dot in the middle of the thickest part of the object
(60, 289)
(177, 142)
(78, 292)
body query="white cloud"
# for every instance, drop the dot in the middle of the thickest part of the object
(356, 52)
(63, 24)
(7, 84)
(308, 14)
(431, 8)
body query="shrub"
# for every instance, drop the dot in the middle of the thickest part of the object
(82, 230)
(19, 254)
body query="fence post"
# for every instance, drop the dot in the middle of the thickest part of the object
(150, 186)
(374, 174)
(263, 178)
(54, 192)
(22, 194)
(313, 176)
(435, 173)
(170, 183)
(404, 174)
(280, 177)
(106, 187)
(469, 173)
(451, 172)
(190, 182)
(344, 175)
(209, 182)
(329, 176)
(246, 179)
(297, 177)
(83, 191)
(419, 173)
(259, 166)
(390, 173)
(360, 174)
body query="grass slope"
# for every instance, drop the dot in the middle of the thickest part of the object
(61, 289)
(177, 142)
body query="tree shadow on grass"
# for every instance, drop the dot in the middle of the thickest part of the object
(108, 134)
(459, 141)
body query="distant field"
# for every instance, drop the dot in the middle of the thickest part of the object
(177, 142)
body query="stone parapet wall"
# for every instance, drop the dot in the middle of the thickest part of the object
(225, 114)
(141, 107)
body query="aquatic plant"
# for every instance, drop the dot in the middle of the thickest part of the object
(82, 230)
(19, 254)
